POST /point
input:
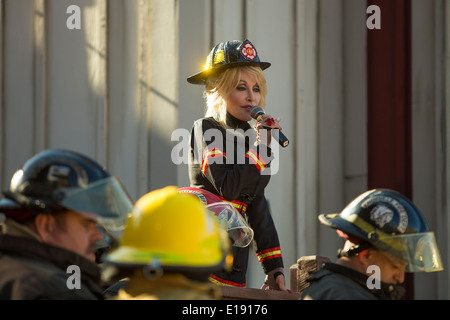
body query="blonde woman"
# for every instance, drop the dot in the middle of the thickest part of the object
(231, 159)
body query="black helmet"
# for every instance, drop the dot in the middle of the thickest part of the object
(392, 223)
(226, 55)
(55, 180)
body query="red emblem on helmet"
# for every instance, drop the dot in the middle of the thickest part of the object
(249, 51)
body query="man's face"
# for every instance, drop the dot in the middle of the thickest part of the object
(75, 232)
(392, 268)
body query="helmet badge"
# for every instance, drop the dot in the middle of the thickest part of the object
(381, 215)
(59, 174)
(248, 51)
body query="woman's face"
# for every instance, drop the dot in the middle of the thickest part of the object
(243, 97)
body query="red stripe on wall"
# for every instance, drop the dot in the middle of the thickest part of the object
(389, 103)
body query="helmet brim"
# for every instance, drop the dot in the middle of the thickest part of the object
(105, 201)
(127, 256)
(201, 77)
(8, 204)
(335, 221)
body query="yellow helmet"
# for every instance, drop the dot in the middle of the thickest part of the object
(172, 230)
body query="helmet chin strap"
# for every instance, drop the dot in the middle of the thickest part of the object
(353, 251)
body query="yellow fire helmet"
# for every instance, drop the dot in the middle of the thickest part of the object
(171, 230)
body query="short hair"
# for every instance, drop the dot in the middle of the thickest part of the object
(218, 88)
(359, 244)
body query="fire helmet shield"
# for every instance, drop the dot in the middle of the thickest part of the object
(232, 221)
(391, 223)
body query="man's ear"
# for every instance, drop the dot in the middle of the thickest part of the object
(44, 224)
(365, 257)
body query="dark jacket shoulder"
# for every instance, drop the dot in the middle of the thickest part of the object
(337, 282)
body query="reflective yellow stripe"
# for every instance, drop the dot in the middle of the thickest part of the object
(256, 160)
(382, 237)
(269, 254)
(221, 282)
(240, 206)
(211, 153)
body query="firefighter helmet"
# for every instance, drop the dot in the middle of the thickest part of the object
(390, 222)
(226, 55)
(55, 180)
(171, 230)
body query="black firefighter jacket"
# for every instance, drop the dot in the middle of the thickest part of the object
(228, 163)
(32, 270)
(337, 282)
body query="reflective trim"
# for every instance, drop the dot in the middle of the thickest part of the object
(254, 157)
(268, 254)
(221, 282)
(240, 206)
(211, 153)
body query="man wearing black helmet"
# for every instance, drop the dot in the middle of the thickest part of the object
(386, 236)
(49, 226)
